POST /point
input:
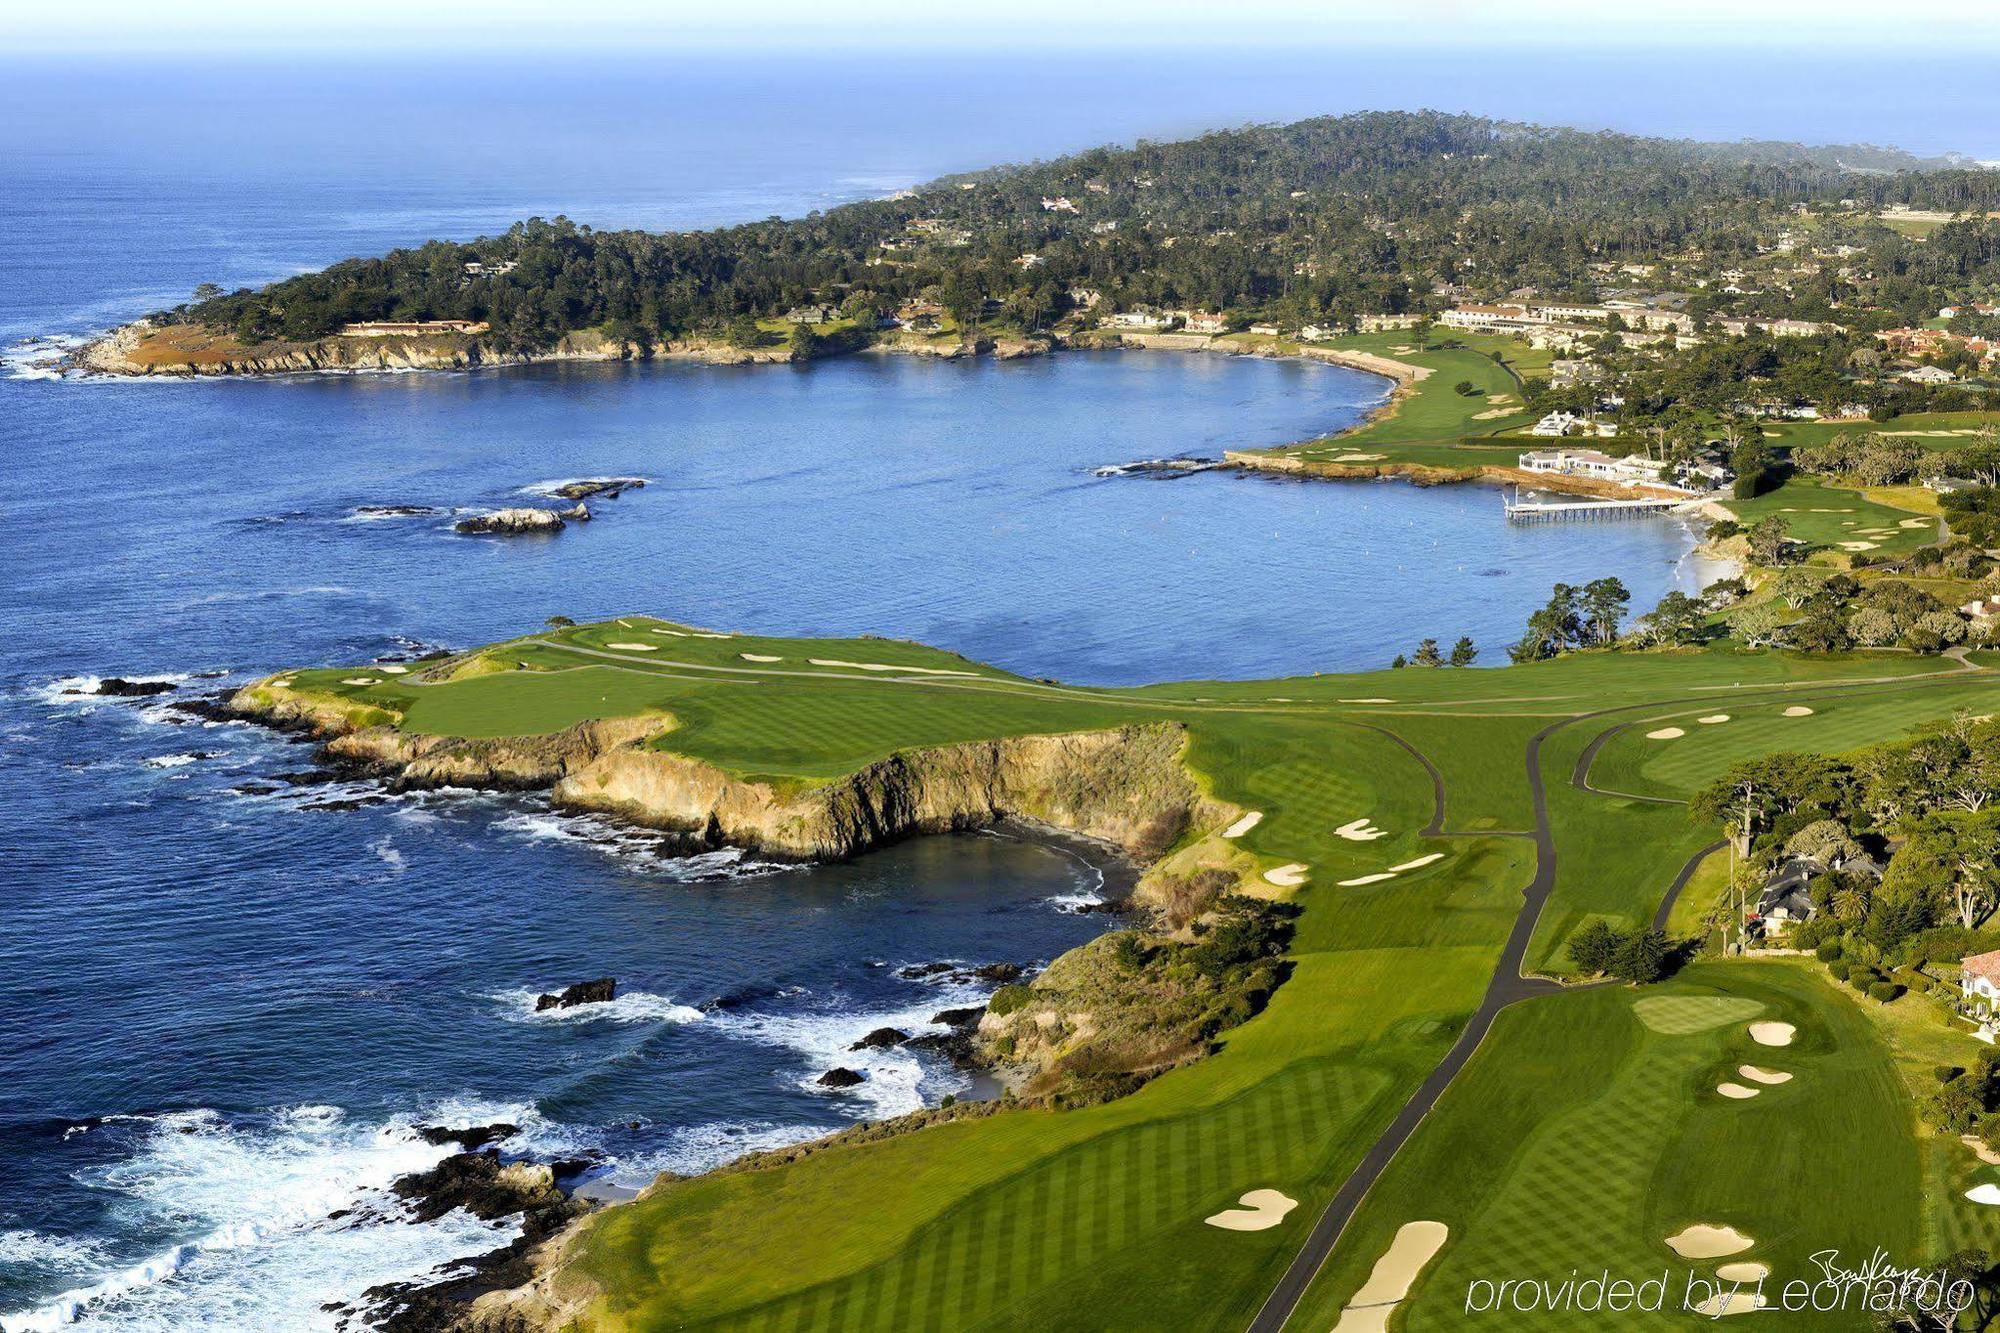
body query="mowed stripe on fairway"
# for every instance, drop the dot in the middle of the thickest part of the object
(1005, 1243)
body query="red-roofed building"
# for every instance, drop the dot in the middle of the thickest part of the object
(1979, 982)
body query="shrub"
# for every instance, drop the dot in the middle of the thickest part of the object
(1827, 951)
(1642, 957)
(1840, 967)
(1884, 991)
(1593, 948)
(1946, 1073)
(1953, 1108)
(1008, 999)
(1861, 978)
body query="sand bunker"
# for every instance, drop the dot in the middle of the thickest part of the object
(1798, 710)
(1773, 1034)
(1980, 1150)
(393, 670)
(674, 633)
(1915, 523)
(1744, 1270)
(361, 680)
(1360, 830)
(1244, 825)
(1734, 1302)
(1736, 1091)
(1859, 546)
(1685, 1015)
(1360, 880)
(1984, 1194)
(1416, 1244)
(887, 666)
(1703, 1241)
(635, 647)
(1665, 734)
(1261, 1210)
(1712, 719)
(1288, 876)
(1420, 861)
(1768, 1077)
(759, 657)
(1360, 458)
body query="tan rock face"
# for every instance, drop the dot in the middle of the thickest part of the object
(1125, 787)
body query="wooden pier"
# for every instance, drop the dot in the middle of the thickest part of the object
(1584, 511)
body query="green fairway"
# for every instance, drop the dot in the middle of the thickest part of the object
(1027, 1215)
(1430, 411)
(1837, 521)
(1583, 1134)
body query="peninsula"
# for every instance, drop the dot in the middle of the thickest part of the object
(1351, 1015)
(1522, 286)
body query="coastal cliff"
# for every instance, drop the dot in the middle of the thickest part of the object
(146, 348)
(1126, 787)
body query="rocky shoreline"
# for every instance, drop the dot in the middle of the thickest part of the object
(1126, 791)
(141, 349)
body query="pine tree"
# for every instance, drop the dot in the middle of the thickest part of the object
(1463, 652)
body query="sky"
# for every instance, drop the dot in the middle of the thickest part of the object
(138, 27)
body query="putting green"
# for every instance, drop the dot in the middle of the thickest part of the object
(1684, 1015)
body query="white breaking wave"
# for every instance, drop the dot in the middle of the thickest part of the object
(636, 1006)
(636, 848)
(1074, 903)
(699, 1148)
(253, 1204)
(172, 760)
(50, 1254)
(72, 691)
(895, 1081)
(548, 489)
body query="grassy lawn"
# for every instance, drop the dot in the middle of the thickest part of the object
(1577, 1133)
(1431, 412)
(1835, 521)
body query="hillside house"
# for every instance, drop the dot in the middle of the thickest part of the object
(1979, 985)
(1928, 375)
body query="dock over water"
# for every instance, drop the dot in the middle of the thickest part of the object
(1585, 511)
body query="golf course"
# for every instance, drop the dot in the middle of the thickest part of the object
(1440, 835)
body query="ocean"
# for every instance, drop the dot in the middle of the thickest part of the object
(228, 997)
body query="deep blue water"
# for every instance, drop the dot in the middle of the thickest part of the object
(221, 1007)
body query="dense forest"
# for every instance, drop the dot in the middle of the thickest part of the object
(1321, 220)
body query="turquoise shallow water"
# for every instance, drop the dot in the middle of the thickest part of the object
(224, 1001)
